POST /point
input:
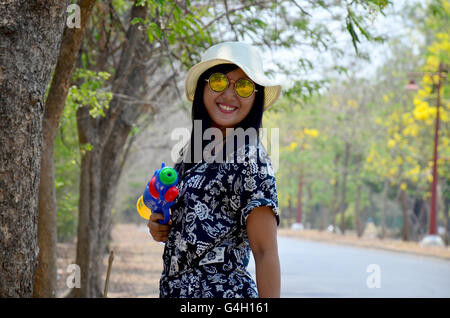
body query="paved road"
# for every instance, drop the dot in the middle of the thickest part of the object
(315, 269)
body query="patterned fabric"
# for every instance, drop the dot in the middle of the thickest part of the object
(208, 251)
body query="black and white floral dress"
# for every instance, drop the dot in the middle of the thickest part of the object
(208, 251)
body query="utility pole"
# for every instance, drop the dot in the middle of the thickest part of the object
(433, 238)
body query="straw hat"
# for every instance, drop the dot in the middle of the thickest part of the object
(245, 56)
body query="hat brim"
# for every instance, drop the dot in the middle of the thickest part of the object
(271, 91)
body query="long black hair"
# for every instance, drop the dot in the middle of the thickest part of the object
(199, 112)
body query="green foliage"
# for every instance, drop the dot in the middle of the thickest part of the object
(67, 217)
(349, 217)
(67, 170)
(171, 25)
(89, 92)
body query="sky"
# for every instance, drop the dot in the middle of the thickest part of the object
(390, 25)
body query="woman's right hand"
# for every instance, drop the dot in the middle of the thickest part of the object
(159, 232)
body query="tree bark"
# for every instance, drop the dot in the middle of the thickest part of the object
(372, 213)
(30, 37)
(45, 279)
(344, 186)
(335, 191)
(447, 219)
(299, 197)
(291, 212)
(384, 208)
(405, 229)
(98, 178)
(358, 225)
(323, 217)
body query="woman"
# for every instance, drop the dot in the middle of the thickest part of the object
(224, 209)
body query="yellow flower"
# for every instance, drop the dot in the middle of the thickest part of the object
(443, 115)
(386, 98)
(445, 141)
(423, 93)
(414, 131)
(428, 80)
(406, 119)
(393, 171)
(406, 131)
(403, 186)
(370, 157)
(293, 145)
(413, 172)
(311, 132)
(432, 62)
(391, 143)
(442, 35)
(394, 116)
(422, 111)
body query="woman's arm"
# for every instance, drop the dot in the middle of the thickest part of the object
(262, 235)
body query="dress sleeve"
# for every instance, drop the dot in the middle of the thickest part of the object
(254, 185)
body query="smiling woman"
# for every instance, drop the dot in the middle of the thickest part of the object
(206, 108)
(226, 108)
(223, 210)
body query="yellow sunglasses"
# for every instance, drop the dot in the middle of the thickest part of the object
(218, 82)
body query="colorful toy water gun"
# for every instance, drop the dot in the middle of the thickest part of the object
(160, 194)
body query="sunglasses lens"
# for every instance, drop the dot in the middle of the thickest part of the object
(218, 82)
(244, 88)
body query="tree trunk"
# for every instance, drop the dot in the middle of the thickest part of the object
(30, 37)
(335, 191)
(310, 218)
(424, 219)
(45, 279)
(405, 229)
(384, 208)
(372, 213)
(323, 217)
(358, 225)
(344, 186)
(299, 197)
(290, 209)
(447, 220)
(98, 178)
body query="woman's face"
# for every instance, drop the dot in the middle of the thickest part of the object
(218, 104)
